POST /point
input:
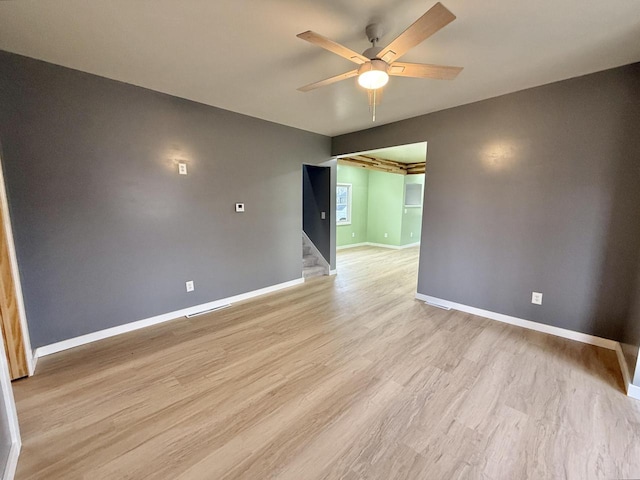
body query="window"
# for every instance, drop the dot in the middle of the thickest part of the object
(343, 204)
(413, 195)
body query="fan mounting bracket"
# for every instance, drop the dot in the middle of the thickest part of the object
(374, 32)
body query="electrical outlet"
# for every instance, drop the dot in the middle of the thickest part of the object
(353, 234)
(239, 207)
(411, 234)
(323, 215)
(536, 298)
(190, 286)
(405, 211)
(182, 168)
(386, 235)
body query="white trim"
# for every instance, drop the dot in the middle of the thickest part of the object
(381, 245)
(352, 245)
(321, 260)
(12, 462)
(12, 415)
(633, 391)
(624, 368)
(348, 221)
(15, 273)
(333, 272)
(540, 327)
(129, 327)
(384, 245)
(34, 359)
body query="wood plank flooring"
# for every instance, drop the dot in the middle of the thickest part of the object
(346, 377)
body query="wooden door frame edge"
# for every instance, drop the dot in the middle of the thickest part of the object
(15, 273)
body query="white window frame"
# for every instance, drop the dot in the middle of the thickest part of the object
(414, 205)
(349, 203)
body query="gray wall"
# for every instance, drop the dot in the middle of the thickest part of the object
(316, 198)
(106, 230)
(532, 191)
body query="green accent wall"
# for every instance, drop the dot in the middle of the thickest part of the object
(377, 207)
(359, 180)
(386, 195)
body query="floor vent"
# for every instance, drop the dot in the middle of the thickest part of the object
(437, 305)
(191, 315)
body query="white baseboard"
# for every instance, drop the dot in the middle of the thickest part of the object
(34, 361)
(624, 368)
(129, 327)
(352, 245)
(540, 327)
(382, 245)
(333, 272)
(12, 462)
(633, 391)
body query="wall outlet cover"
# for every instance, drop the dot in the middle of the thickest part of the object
(182, 168)
(190, 286)
(239, 207)
(353, 234)
(386, 235)
(323, 215)
(536, 298)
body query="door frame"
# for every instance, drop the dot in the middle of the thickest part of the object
(15, 273)
(12, 417)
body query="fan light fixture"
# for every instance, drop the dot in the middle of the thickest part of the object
(373, 75)
(376, 64)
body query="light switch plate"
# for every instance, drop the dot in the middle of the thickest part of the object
(190, 286)
(239, 207)
(536, 298)
(182, 168)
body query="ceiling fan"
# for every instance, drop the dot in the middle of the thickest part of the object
(376, 64)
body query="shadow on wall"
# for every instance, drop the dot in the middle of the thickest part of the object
(619, 273)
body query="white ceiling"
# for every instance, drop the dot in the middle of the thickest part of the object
(243, 55)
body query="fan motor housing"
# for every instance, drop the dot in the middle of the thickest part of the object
(372, 52)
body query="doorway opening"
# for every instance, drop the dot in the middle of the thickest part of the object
(379, 205)
(316, 221)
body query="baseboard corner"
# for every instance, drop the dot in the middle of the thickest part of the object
(633, 391)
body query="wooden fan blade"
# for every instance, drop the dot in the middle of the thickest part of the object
(436, 17)
(333, 47)
(423, 70)
(329, 81)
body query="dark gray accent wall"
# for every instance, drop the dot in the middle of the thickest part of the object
(106, 230)
(316, 194)
(537, 190)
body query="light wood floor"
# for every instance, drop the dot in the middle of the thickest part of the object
(345, 377)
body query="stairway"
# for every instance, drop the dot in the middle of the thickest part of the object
(310, 264)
